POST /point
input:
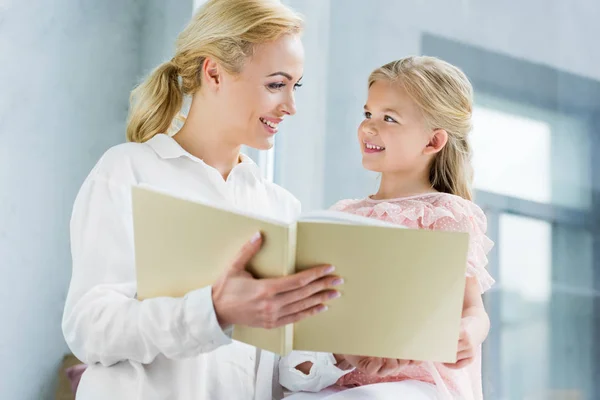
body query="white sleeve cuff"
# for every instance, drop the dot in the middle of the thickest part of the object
(323, 373)
(202, 322)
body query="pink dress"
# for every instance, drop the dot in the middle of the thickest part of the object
(435, 211)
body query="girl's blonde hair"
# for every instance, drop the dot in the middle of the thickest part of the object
(445, 97)
(223, 30)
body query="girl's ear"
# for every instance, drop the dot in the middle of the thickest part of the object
(437, 141)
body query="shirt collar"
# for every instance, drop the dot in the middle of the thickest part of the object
(167, 148)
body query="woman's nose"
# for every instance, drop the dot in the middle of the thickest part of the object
(289, 106)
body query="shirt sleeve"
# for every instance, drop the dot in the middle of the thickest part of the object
(103, 322)
(323, 373)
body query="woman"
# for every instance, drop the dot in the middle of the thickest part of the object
(241, 62)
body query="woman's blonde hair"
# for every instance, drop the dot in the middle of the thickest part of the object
(445, 97)
(223, 30)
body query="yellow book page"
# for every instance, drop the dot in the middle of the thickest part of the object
(184, 245)
(402, 296)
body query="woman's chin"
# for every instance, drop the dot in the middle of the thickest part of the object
(265, 145)
(262, 143)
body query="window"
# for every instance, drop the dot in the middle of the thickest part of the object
(534, 151)
(511, 155)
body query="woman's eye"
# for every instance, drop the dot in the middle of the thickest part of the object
(297, 85)
(276, 86)
(367, 115)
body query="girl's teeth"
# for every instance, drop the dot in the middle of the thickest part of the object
(373, 147)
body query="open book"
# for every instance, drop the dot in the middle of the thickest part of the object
(403, 290)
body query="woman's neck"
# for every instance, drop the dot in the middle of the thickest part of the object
(202, 137)
(403, 184)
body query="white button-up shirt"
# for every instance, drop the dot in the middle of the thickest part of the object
(163, 348)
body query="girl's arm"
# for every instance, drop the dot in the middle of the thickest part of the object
(477, 321)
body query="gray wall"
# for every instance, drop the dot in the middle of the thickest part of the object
(67, 69)
(162, 21)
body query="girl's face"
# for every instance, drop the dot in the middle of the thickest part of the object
(394, 137)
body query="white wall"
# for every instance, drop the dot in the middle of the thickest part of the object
(67, 69)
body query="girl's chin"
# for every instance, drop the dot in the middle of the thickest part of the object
(371, 166)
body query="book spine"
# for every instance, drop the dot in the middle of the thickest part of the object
(288, 342)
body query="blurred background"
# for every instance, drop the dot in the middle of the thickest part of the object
(68, 67)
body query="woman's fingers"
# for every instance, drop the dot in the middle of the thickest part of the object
(309, 302)
(320, 286)
(297, 281)
(246, 253)
(290, 319)
(291, 306)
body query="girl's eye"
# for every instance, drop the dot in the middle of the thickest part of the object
(367, 115)
(387, 118)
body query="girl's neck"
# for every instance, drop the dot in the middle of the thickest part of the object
(202, 137)
(397, 185)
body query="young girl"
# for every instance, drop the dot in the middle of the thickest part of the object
(415, 133)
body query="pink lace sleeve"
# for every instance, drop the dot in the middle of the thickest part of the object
(467, 217)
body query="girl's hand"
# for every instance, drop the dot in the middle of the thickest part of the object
(474, 326)
(466, 347)
(379, 367)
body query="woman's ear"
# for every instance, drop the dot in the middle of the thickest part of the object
(211, 74)
(437, 141)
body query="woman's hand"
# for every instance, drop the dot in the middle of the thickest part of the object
(379, 367)
(240, 299)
